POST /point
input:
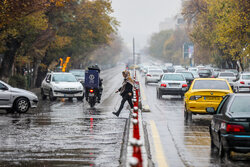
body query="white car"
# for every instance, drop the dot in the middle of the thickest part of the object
(153, 75)
(172, 84)
(15, 99)
(229, 76)
(243, 83)
(63, 85)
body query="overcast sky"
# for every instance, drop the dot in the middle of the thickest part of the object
(141, 18)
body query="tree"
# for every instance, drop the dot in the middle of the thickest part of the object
(220, 26)
(39, 32)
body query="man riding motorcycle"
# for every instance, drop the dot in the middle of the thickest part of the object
(97, 90)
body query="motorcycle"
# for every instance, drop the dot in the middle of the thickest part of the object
(91, 97)
(93, 86)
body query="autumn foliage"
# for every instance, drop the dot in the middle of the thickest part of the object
(220, 28)
(34, 34)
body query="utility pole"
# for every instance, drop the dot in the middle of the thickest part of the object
(134, 54)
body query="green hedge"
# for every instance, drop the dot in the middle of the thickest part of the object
(18, 81)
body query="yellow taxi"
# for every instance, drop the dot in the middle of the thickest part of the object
(204, 96)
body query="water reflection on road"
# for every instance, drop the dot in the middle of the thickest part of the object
(64, 133)
(184, 144)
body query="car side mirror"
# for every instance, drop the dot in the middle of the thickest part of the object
(101, 79)
(210, 110)
(47, 80)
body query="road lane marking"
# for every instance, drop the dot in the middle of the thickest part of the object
(144, 98)
(160, 157)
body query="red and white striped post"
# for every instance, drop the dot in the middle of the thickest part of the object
(136, 142)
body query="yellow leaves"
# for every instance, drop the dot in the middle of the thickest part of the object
(60, 3)
(37, 20)
(61, 41)
(22, 60)
(223, 26)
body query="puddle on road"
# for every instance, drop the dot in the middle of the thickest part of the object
(61, 134)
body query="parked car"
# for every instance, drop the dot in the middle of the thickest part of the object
(61, 84)
(153, 76)
(172, 84)
(205, 73)
(15, 99)
(79, 74)
(229, 76)
(203, 93)
(243, 83)
(188, 76)
(229, 129)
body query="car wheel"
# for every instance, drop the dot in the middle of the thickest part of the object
(159, 94)
(185, 114)
(22, 105)
(43, 95)
(51, 97)
(221, 150)
(211, 138)
(190, 116)
(237, 90)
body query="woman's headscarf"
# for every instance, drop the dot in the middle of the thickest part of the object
(128, 77)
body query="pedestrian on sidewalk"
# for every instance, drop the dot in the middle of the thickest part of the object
(126, 91)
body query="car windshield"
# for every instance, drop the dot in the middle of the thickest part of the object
(226, 74)
(210, 84)
(6, 84)
(64, 78)
(173, 77)
(246, 77)
(187, 75)
(192, 69)
(234, 71)
(204, 71)
(155, 71)
(78, 73)
(240, 104)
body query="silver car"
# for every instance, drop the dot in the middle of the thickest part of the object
(153, 75)
(172, 84)
(243, 83)
(15, 99)
(229, 76)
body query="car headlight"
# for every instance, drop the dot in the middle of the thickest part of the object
(57, 88)
(195, 97)
(80, 88)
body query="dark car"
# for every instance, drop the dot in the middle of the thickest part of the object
(229, 129)
(205, 73)
(188, 76)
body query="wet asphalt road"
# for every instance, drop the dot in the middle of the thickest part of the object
(64, 133)
(183, 144)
